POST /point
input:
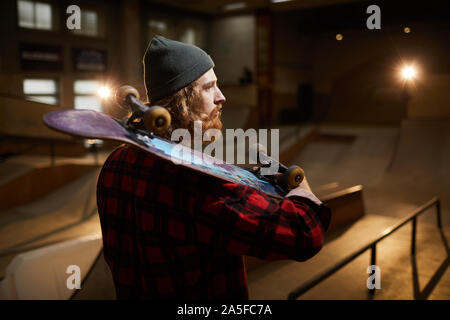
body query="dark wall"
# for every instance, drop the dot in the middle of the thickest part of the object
(356, 79)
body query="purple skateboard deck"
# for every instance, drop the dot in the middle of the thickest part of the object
(95, 125)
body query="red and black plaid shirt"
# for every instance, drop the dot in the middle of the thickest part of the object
(169, 232)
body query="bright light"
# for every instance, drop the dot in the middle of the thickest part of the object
(104, 92)
(407, 30)
(408, 73)
(339, 37)
(90, 143)
(278, 1)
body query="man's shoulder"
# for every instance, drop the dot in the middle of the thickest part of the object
(127, 159)
(127, 153)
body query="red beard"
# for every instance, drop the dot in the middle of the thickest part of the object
(212, 122)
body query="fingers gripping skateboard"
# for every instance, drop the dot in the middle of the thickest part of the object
(289, 178)
(155, 119)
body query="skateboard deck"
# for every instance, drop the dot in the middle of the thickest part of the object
(96, 125)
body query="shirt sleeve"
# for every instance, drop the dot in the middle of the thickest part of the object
(304, 194)
(181, 204)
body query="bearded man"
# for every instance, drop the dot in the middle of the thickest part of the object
(171, 233)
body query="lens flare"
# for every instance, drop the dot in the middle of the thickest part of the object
(104, 92)
(408, 73)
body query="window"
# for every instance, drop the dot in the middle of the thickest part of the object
(157, 25)
(188, 36)
(86, 95)
(89, 23)
(41, 90)
(34, 15)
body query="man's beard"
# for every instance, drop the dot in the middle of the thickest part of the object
(211, 122)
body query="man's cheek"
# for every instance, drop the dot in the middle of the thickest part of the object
(216, 113)
(210, 109)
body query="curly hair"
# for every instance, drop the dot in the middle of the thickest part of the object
(184, 109)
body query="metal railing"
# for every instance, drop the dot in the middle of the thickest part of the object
(294, 294)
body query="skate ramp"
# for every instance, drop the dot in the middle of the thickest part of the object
(10, 171)
(98, 283)
(400, 168)
(362, 160)
(46, 273)
(420, 169)
(37, 182)
(424, 149)
(69, 212)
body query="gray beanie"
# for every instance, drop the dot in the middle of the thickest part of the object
(172, 65)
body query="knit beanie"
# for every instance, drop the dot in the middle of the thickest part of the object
(172, 65)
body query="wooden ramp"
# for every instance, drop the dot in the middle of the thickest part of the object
(38, 182)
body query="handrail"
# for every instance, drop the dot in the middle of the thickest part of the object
(294, 294)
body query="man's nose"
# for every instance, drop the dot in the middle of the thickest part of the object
(219, 98)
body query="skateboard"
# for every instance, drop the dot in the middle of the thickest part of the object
(91, 124)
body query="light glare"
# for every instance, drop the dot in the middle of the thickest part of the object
(104, 92)
(409, 72)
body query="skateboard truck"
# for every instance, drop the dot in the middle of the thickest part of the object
(155, 119)
(286, 177)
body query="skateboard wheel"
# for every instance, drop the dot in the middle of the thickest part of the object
(294, 176)
(157, 119)
(123, 92)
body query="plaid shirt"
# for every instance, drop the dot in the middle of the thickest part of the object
(170, 232)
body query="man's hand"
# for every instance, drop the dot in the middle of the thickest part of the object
(304, 190)
(304, 185)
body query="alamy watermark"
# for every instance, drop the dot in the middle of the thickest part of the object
(74, 20)
(374, 20)
(74, 280)
(374, 280)
(234, 144)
